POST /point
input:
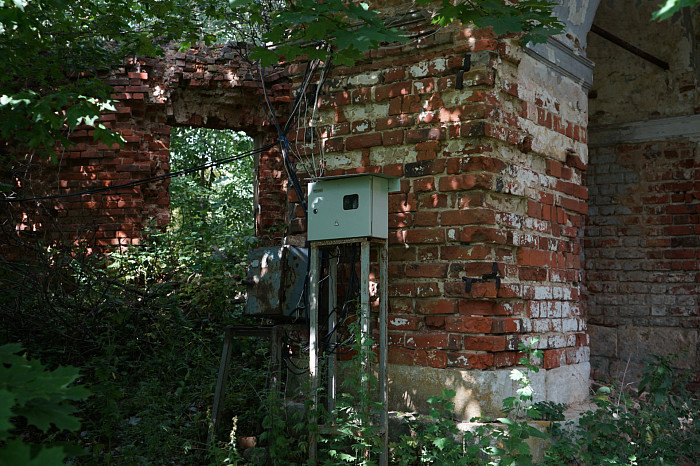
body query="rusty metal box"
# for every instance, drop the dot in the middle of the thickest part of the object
(275, 281)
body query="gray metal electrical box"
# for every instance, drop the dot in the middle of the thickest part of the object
(275, 280)
(350, 206)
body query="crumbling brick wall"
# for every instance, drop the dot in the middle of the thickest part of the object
(491, 172)
(642, 244)
(214, 88)
(642, 239)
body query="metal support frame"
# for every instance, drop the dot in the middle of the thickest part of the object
(274, 332)
(365, 318)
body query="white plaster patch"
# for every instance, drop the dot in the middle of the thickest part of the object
(543, 292)
(366, 112)
(364, 79)
(398, 322)
(347, 159)
(420, 70)
(362, 127)
(387, 155)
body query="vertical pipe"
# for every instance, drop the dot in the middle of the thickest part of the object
(364, 309)
(332, 320)
(383, 350)
(313, 351)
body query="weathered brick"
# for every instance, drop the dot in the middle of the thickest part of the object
(424, 134)
(392, 90)
(363, 141)
(465, 182)
(491, 343)
(468, 217)
(436, 306)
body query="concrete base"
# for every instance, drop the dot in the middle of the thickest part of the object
(481, 393)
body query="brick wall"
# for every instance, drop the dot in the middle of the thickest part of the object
(642, 254)
(214, 88)
(490, 173)
(642, 234)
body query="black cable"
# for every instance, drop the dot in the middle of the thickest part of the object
(186, 171)
(282, 135)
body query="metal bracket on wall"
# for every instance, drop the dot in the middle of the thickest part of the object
(468, 281)
(466, 66)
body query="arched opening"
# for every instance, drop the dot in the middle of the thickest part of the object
(642, 232)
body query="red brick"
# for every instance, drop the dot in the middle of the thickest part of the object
(437, 359)
(535, 258)
(463, 324)
(538, 274)
(392, 90)
(480, 234)
(471, 360)
(465, 182)
(478, 290)
(465, 112)
(487, 308)
(483, 164)
(435, 322)
(424, 134)
(361, 95)
(400, 220)
(391, 138)
(360, 126)
(436, 306)
(394, 169)
(402, 289)
(435, 270)
(363, 141)
(424, 86)
(472, 129)
(424, 184)
(402, 202)
(401, 305)
(491, 343)
(393, 121)
(394, 74)
(554, 358)
(398, 355)
(427, 340)
(506, 359)
(505, 325)
(410, 104)
(457, 253)
(418, 236)
(468, 217)
(425, 219)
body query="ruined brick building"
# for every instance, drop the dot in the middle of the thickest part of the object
(573, 165)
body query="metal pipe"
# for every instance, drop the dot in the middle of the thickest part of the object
(629, 47)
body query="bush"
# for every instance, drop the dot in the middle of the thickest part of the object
(32, 400)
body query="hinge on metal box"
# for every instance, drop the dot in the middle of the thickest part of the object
(494, 274)
(466, 66)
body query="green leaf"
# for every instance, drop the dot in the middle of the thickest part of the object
(441, 443)
(15, 452)
(7, 401)
(42, 413)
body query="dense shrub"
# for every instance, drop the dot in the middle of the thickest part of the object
(145, 324)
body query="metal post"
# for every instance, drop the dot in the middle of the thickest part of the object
(332, 322)
(364, 310)
(313, 350)
(383, 350)
(224, 366)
